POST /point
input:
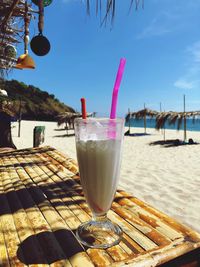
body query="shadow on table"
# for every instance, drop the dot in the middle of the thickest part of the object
(190, 259)
(26, 198)
(48, 247)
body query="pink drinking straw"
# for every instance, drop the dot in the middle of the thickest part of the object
(116, 88)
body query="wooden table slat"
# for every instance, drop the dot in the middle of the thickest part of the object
(162, 232)
(186, 231)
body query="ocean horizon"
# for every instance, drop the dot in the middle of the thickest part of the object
(150, 123)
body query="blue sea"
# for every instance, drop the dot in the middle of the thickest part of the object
(150, 123)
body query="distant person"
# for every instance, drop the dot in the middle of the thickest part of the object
(191, 142)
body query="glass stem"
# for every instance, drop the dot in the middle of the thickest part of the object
(100, 218)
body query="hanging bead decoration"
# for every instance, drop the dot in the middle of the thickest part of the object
(25, 61)
(40, 45)
(26, 31)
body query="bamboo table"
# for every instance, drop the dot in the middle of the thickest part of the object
(41, 205)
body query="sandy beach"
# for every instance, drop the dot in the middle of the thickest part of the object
(165, 177)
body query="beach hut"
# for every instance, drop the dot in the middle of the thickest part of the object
(142, 114)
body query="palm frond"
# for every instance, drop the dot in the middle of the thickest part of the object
(110, 8)
(88, 7)
(161, 119)
(173, 118)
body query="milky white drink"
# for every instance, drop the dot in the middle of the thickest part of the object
(99, 164)
(98, 145)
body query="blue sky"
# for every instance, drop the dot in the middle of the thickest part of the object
(161, 44)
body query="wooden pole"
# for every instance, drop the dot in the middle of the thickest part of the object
(129, 122)
(164, 124)
(185, 135)
(145, 120)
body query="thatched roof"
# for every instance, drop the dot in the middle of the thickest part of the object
(141, 114)
(69, 117)
(173, 117)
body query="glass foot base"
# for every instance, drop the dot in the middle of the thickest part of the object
(99, 234)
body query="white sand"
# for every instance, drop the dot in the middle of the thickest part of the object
(168, 178)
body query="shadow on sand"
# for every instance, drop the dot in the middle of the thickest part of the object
(127, 133)
(60, 129)
(64, 135)
(173, 142)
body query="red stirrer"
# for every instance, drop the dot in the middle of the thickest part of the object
(83, 107)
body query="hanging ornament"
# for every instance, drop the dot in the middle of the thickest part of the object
(40, 45)
(25, 62)
(45, 2)
(10, 51)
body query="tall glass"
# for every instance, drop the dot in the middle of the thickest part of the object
(98, 146)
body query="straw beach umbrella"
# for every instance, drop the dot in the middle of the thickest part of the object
(142, 114)
(175, 117)
(68, 118)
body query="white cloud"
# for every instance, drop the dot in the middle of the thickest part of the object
(174, 16)
(183, 84)
(160, 25)
(194, 51)
(153, 30)
(190, 80)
